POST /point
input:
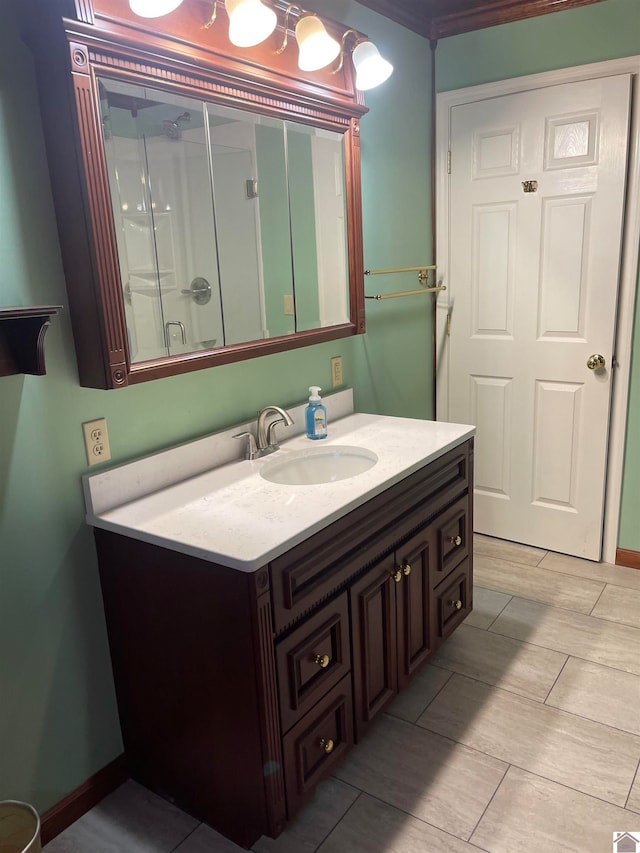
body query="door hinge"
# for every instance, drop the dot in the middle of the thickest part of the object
(449, 162)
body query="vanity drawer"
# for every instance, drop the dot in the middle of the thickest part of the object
(326, 561)
(453, 601)
(454, 537)
(312, 660)
(316, 745)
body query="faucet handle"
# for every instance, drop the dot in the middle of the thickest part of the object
(252, 450)
(272, 442)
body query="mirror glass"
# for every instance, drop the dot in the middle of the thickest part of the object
(231, 225)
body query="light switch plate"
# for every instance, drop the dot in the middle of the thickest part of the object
(289, 309)
(336, 371)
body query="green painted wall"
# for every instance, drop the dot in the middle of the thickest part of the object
(274, 226)
(606, 30)
(58, 718)
(303, 227)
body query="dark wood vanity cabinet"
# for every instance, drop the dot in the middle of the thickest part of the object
(238, 692)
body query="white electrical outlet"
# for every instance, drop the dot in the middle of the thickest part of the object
(289, 308)
(96, 441)
(336, 371)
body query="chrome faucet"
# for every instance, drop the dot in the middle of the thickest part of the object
(267, 442)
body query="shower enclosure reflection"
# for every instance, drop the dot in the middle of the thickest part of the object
(230, 225)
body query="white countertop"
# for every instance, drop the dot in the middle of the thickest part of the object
(233, 516)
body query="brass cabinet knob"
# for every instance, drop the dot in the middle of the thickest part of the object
(457, 604)
(406, 568)
(596, 362)
(323, 661)
(397, 575)
(455, 540)
(327, 745)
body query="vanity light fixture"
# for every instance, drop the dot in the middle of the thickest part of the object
(250, 22)
(316, 48)
(153, 8)
(371, 68)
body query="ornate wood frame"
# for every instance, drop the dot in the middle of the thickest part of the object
(73, 41)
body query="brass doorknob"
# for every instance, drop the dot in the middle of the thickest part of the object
(327, 745)
(397, 575)
(455, 540)
(406, 568)
(596, 362)
(457, 604)
(323, 661)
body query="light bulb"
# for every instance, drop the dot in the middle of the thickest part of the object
(315, 45)
(371, 68)
(153, 8)
(250, 22)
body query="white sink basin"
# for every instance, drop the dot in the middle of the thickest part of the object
(318, 465)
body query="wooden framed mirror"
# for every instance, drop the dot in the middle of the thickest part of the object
(207, 196)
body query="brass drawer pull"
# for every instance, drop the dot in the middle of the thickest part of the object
(323, 661)
(457, 604)
(327, 745)
(455, 540)
(406, 568)
(396, 574)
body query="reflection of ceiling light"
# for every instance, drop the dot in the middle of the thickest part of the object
(371, 68)
(250, 22)
(153, 8)
(315, 45)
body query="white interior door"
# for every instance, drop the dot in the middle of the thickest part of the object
(533, 282)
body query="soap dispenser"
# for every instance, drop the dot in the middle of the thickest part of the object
(316, 415)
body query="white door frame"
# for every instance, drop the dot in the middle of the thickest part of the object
(629, 265)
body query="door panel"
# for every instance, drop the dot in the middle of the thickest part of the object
(416, 560)
(373, 624)
(537, 193)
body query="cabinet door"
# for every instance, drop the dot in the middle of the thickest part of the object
(415, 559)
(373, 621)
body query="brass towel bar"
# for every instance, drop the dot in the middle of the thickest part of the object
(407, 292)
(422, 278)
(401, 269)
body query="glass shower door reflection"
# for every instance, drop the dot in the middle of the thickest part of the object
(162, 200)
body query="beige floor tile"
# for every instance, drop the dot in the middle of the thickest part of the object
(332, 799)
(617, 604)
(132, 819)
(505, 550)
(207, 840)
(587, 756)
(374, 827)
(487, 604)
(507, 663)
(572, 633)
(633, 802)
(534, 814)
(412, 701)
(599, 693)
(428, 776)
(619, 575)
(536, 583)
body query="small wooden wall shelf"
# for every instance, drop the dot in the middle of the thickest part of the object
(22, 332)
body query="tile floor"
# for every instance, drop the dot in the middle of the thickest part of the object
(523, 734)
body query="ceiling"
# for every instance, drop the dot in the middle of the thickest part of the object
(440, 18)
